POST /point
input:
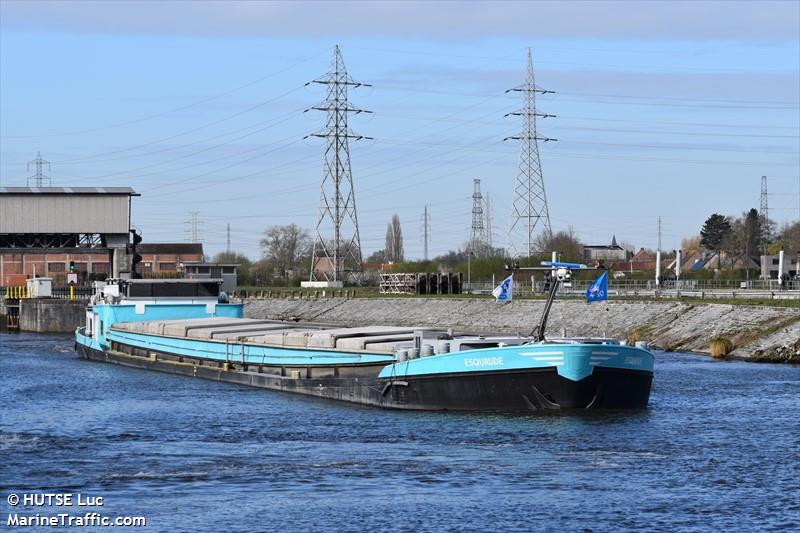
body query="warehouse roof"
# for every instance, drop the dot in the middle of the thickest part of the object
(170, 248)
(69, 190)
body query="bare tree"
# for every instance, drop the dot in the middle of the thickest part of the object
(285, 247)
(564, 242)
(394, 240)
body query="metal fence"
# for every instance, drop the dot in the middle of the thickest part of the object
(61, 293)
(761, 289)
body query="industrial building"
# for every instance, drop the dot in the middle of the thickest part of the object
(225, 271)
(165, 258)
(44, 229)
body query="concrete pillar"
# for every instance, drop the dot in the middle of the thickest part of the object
(677, 265)
(119, 261)
(780, 266)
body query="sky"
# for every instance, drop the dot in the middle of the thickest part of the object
(663, 109)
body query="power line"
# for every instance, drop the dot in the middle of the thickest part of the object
(169, 111)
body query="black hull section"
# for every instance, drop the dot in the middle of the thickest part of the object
(532, 389)
(528, 390)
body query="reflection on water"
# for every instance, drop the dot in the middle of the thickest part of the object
(716, 449)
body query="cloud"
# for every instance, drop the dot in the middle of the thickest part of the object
(726, 20)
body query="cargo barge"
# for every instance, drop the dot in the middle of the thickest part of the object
(181, 327)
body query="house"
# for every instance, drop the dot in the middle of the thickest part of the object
(608, 253)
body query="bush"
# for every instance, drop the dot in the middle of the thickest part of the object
(720, 347)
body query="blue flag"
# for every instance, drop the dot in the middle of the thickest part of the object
(505, 291)
(598, 290)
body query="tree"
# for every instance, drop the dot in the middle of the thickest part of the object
(788, 239)
(691, 244)
(378, 256)
(243, 272)
(715, 231)
(565, 242)
(753, 237)
(394, 240)
(286, 247)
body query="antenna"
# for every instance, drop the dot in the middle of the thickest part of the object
(426, 232)
(338, 257)
(529, 211)
(39, 177)
(477, 236)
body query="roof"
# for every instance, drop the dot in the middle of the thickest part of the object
(170, 248)
(127, 191)
(603, 247)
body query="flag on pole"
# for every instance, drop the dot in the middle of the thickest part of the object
(504, 291)
(598, 290)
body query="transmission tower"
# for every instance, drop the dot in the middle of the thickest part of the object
(39, 177)
(194, 226)
(764, 210)
(228, 244)
(529, 212)
(477, 236)
(337, 244)
(426, 232)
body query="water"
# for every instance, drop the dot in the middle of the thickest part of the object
(716, 450)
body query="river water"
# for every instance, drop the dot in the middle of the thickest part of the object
(716, 450)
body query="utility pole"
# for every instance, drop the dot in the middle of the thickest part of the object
(764, 212)
(658, 256)
(228, 244)
(39, 177)
(529, 211)
(426, 232)
(659, 233)
(337, 256)
(477, 236)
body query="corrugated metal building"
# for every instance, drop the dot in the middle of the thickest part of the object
(44, 228)
(65, 210)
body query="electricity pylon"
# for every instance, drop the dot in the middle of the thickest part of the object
(529, 211)
(337, 244)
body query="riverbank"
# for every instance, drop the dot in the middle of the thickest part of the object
(758, 333)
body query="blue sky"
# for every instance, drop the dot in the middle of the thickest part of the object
(668, 109)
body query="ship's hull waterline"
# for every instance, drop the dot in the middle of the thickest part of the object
(517, 390)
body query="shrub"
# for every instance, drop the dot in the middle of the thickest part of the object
(720, 347)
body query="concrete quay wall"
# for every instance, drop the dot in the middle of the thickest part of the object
(757, 332)
(45, 315)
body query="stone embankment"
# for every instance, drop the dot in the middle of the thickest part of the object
(758, 333)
